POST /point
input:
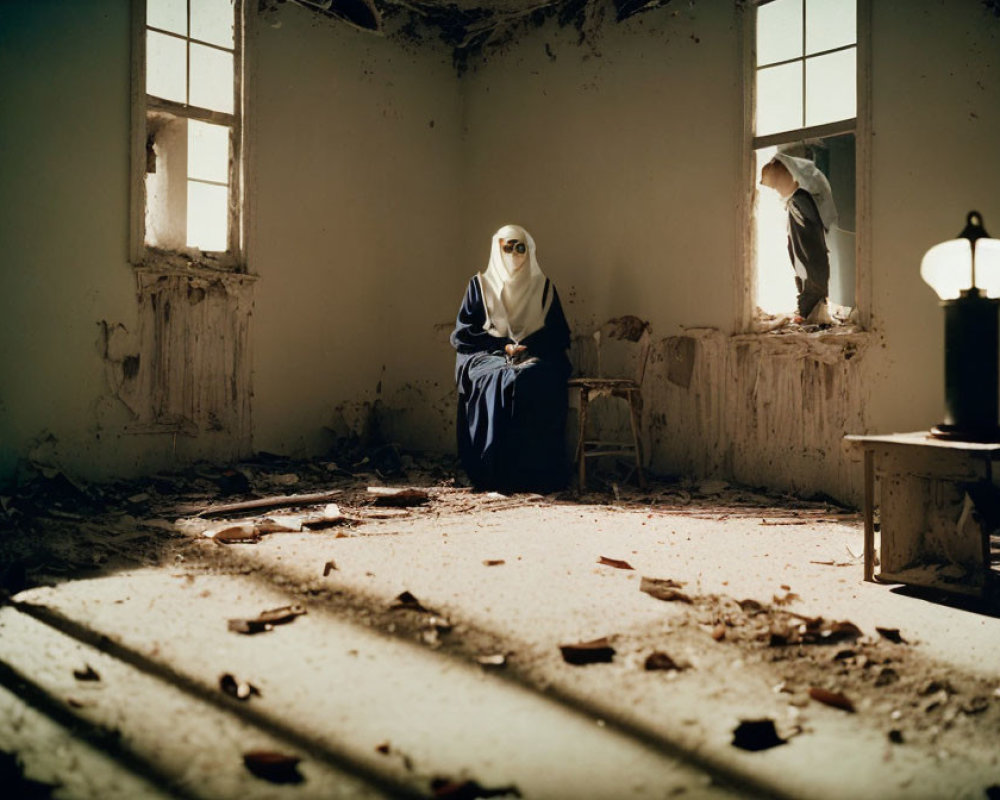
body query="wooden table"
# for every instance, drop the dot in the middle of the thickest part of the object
(922, 476)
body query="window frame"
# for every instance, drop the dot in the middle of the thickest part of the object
(141, 254)
(860, 126)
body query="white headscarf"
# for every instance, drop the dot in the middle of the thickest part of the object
(809, 177)
(513, 299)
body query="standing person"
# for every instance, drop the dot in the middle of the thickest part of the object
(811, 212)
(511, 369)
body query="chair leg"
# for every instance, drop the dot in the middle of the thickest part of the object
(581, 450)
(635, 418)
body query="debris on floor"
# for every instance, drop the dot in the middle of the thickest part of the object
(234, 687)
(266, 620)
(596, 651)
(614, 562)
(756, 734)
(821, 660)
(274, 767)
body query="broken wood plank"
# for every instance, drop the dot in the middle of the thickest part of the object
(262, 502)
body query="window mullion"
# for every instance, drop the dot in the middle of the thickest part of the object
(191, 112)
(187, 62)
(207, 182)
(236, 137)
(801, 134)
(804, 2)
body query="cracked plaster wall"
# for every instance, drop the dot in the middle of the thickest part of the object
(630, 150)
(357, 190)
(621, 155)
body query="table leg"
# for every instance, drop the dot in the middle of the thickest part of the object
(869, 515)
(581, 447)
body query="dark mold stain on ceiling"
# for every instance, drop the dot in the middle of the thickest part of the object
(470, 28)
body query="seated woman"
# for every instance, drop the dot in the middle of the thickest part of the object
(511, 369)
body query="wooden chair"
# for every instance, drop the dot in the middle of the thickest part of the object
(628, 328)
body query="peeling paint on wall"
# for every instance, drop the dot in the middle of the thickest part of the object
(764, 410)
(187, 368)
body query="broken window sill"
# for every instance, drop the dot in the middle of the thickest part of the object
(190, 262)
(157, 269)
(833, 341)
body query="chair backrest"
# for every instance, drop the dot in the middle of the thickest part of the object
(628, 328)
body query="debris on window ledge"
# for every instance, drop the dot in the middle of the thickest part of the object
(843, 320)
(190, 259)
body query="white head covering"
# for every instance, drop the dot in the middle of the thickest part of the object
(513, 298)
(809, 177)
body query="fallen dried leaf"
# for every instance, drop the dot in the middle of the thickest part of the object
(408, 602)
(88, 674)
(282, 614)
(595, 651)
(493, 562)
(241, 690)
(248, 626)
(756, 734)
(834, 699)
(614, 562)
(245, 532)
(272, 766)
(751, 606)
(719, 632)
(892, 634)
(266, 620)
(382, 748)
(660, 660)
(811, 630)
(328, 567)
(785, 599)
(840, 631)
(663, 589)
(389, 496)
(469, 790)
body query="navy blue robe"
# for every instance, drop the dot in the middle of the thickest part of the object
(512, 417)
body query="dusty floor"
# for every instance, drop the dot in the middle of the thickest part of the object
(430, 659)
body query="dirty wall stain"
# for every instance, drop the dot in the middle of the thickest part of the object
(187, 367)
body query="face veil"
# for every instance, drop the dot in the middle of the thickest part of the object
(513, 296)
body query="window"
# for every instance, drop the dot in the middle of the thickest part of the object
(188, 123)
(805, 67)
